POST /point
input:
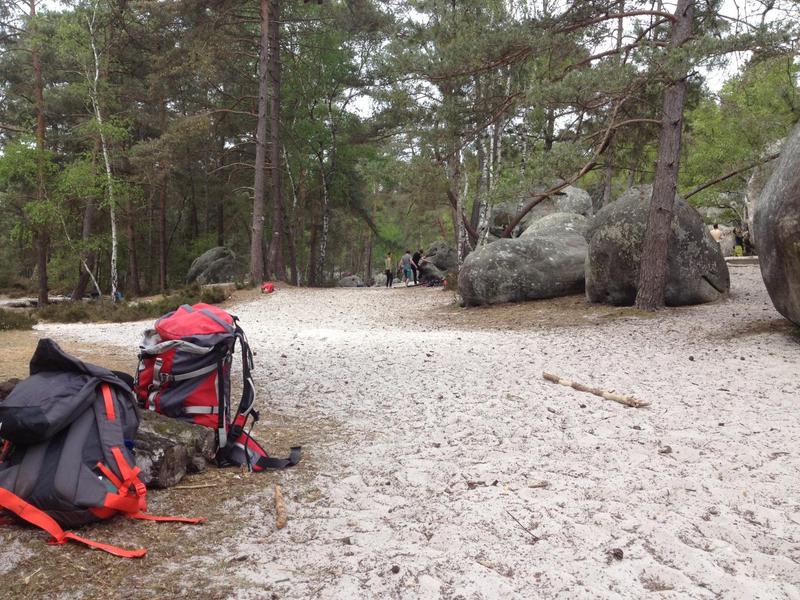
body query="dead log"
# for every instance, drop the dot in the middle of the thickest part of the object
(199, 441)
(167, 449)
(163, 462)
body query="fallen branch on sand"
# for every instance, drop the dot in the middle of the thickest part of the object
(535, 537)
(280, 509)
(196, 487)
(621, 398)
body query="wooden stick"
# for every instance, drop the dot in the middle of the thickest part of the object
(622, 399)
(280, 509)
(196, 487)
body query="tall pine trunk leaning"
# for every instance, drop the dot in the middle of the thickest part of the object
(653, 269)
(276, 262)
(257, 234)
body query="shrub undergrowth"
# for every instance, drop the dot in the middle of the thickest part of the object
(15, 320)
(105, 310)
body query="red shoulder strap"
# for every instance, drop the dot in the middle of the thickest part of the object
(42, 520)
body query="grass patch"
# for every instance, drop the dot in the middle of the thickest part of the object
(15, 320)
(106, 311)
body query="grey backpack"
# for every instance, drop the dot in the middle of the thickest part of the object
(67, 448)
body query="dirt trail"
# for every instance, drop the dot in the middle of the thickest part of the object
(439, 464)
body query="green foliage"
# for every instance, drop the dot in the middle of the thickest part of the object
(15, 320)
(106, 311)
(755, 109)
(378, 101)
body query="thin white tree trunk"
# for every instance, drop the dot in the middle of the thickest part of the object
(104, 146)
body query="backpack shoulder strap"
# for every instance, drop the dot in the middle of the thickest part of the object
(247, 402)
(34, 516)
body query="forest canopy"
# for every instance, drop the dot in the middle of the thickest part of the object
(311, 138)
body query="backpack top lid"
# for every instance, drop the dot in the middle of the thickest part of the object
(61, 387)
(50, 357)
(200, 319)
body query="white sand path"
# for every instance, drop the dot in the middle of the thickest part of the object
(444, 453)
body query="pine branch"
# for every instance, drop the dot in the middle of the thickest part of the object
(733, 173)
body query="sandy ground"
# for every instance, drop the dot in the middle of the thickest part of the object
(439, 464)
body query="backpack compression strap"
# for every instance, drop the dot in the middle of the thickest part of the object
(241, 449)
(248, 388)
(42, 520)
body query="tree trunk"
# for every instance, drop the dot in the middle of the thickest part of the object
(313, 257)
(323, 232)
(454, 174)
(150, 270)
(89, 255)
(133, 259)
(477, 204)
(106, 157)
(368, 251)
(277, 264)
(549, 130)
(43, 237)
(221, 223)
(257, 234)
(162, 232)
(653, 270)
(608, 167)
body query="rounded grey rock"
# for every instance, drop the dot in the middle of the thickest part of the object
(777, 230)
(696, 269)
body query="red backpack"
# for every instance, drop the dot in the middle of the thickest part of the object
(185, 372)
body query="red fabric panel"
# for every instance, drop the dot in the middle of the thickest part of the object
(205, 394)
(183, 323)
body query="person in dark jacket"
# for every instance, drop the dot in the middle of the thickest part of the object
(415, 264)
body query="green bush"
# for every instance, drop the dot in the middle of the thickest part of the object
(90, 312)
(15, 320)
(213, 295)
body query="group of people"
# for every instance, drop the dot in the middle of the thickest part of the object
(742, 244)
(409, 264)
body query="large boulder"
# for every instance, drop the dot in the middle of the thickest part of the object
(442, 255)
(353, 281)
(757, 182)
(524, 268)
(777, 230)
(696, 269)
(558, 224)
(500, 217)
(217, 265)
(569, 200)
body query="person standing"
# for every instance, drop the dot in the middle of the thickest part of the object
(405, 262)
(716, 232)
(415, 264)
(389, 270)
